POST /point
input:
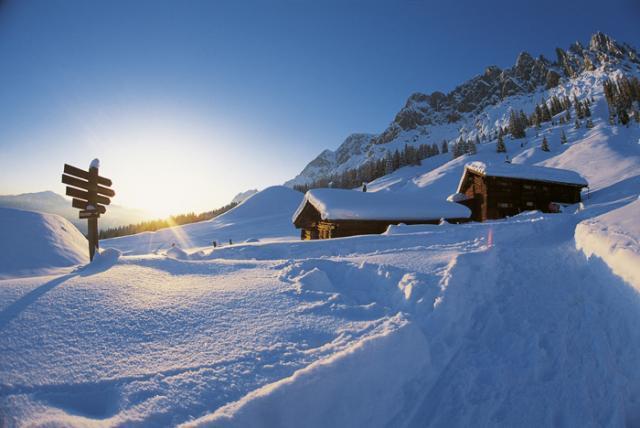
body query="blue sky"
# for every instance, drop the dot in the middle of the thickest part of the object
(187, 103)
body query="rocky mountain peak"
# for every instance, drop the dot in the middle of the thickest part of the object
(422, 111)
(600, 42)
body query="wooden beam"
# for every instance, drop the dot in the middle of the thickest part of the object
(88, 214)
(80, 204)
(81, 194)
(82, 184)
(77, 172)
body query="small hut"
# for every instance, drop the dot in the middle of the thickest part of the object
(334, 213)
(495, 191)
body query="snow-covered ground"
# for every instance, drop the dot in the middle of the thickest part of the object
(527, 321)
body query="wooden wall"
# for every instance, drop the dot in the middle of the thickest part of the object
(499, 197)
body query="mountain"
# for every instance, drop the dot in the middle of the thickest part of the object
(477, 106)
(240, 197)
(53, 203)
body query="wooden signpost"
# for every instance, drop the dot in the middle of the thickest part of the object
(90, 193)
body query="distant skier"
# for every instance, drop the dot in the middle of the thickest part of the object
(215, 244)
(364, 187)
(230, 241)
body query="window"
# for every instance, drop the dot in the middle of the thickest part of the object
(504, 205)
(530, 204)
(528, 186)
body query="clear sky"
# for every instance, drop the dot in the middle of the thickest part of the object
(187, 103)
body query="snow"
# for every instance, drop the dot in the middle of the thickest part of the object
(614, 237)
(34, 243)
(526, 172)
(340, 204)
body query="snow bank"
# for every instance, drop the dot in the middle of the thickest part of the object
(340, 204)
(34, 243)
(364, 385)
(614, 237)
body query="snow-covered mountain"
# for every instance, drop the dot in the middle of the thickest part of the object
(53, 203)
(479, 105)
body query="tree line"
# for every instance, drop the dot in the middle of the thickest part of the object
(621, 95)
(371, 170)
(153, 225)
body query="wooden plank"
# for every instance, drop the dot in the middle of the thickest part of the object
(88, 214)
(81, 194)
(77, 172)
(80, 204)
(82, 184)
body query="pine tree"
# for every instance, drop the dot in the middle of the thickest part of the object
(545, 145)
(388, 164)
(546, 113)
(500, 147)
(577, 124)
(471, 148)
(445, 147)
(589, 124)
(623, 116)
(585, 109)
(563, 138)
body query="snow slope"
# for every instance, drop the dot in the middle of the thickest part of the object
(33, 243)
(264, 215)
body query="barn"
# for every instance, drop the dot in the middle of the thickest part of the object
(334, 213)
(499, 190)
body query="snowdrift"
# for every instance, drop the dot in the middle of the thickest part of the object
(34, 243)
(614, 238)
(264, 215)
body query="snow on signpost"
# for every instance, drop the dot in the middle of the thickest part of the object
(90, 193)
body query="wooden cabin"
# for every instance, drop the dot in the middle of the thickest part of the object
(335, 213)
(506, 189)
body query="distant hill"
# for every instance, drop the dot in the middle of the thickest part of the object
(53, 203)
(240, 197)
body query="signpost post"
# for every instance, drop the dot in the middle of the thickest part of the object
(90, 193)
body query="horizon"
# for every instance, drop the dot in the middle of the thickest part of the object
(189, 106)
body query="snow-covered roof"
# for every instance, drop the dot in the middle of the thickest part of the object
(525, 172)
(341, 204)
